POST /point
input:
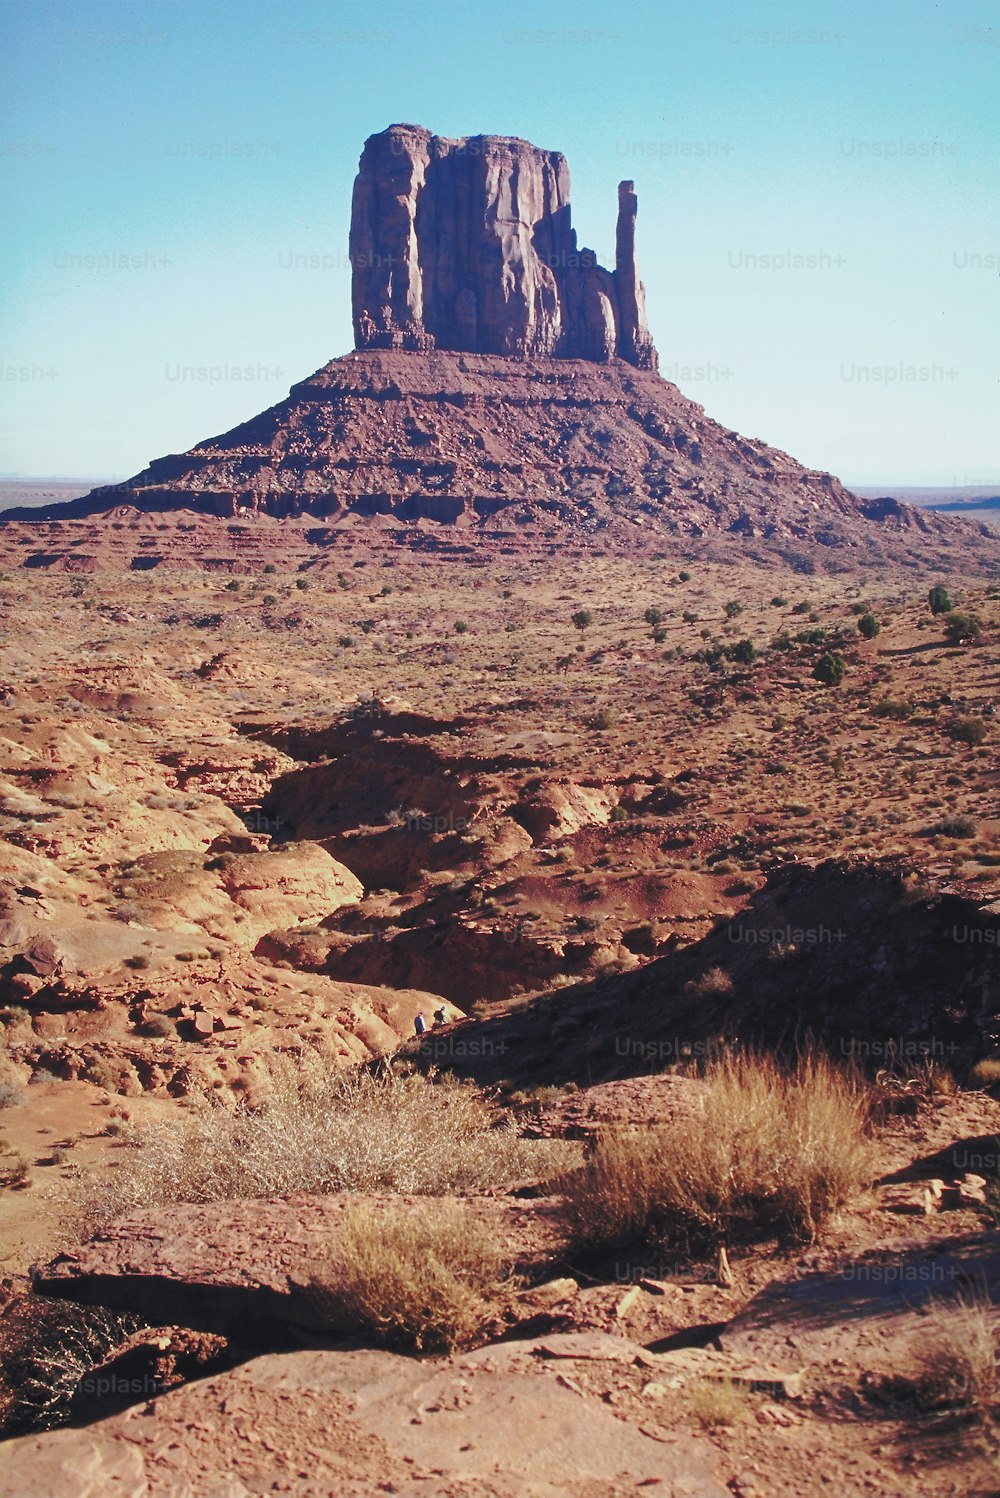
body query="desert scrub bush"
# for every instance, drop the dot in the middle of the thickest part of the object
(961, 827)
(318, 1129)
(962, 628)
(421, 1278)
(48, 1346)
(938, 599)
(11, 1092)
(986, 1073)
(771, 1152)
(868, 626)
(13, 1167)
(718, 1402)
(971, 731)
(956, 1356)
(830, 669)
(715, 983)
(897, 711)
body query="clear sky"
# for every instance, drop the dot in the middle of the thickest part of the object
(207, 151)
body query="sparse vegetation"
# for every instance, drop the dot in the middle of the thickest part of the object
(423, 1279)
(772, 1152)
(13, 1167)
(321, 1130)
(869, 627)
(956, 1356)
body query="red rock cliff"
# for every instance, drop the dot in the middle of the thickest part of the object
(467, 245)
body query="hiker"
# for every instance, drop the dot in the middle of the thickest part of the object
(419, 1024)
(439, 1017)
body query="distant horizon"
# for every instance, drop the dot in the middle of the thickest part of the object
(856, 485)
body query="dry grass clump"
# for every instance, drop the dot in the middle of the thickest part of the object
(716, 983)
(957, 1357)
(423, 1278)
(718, 1402)
(771, 1152)
(322, 1131)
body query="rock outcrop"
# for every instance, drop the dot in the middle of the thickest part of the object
(357, 1422)
(467, 245)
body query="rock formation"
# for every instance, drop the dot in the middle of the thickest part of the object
(502, 382)
(467, 245)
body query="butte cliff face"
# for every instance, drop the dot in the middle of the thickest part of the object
(467, 245)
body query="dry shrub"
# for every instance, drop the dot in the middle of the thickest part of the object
(46, 1347)
(424, 1278)
(986, 1073)
(718, 1402)
(714, 984)
(956, 1357)
(320, 1130)
(911, 1088)
(771, 1152)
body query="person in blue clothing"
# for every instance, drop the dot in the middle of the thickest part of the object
(419, 1024)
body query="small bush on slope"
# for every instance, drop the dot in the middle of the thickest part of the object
(956, 1356)
(423, 1278)
(326, 1131)
(771, 1152)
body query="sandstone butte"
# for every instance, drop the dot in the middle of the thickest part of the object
(503, 383)
(468, 245)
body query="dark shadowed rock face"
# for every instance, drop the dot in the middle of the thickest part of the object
(467, 245)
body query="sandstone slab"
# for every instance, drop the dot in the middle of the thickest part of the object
(227, 1266)
(352, 1423)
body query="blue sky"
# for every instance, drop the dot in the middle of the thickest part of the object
(209, 151)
